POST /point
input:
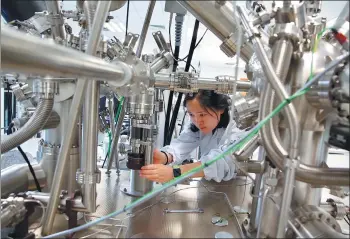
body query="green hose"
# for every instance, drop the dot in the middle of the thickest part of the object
(121, 100)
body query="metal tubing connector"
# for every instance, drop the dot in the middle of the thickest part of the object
(46, 88)
(288, 31)
(291, 163)
(92, 178)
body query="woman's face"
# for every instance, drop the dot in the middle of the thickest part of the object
(205, 120)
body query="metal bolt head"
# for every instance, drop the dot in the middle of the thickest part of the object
(245, 222)
(125, 190)
(303, 219)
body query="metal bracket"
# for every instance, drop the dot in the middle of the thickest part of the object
(161, 43)
(130, 40)
(82, 177)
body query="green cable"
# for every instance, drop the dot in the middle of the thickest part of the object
(121, 100)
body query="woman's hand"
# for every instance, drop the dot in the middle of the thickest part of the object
(158, 157)
(157, 173)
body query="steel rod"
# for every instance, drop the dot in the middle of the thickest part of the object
(32, 55)
(101, 12)
(145, 27)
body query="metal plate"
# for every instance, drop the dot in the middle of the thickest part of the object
(149, 221)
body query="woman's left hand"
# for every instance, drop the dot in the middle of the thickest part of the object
(157, 172)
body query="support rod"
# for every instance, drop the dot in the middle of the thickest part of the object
(114, 145)
(57, 27)
(100, 17)
(145, 27)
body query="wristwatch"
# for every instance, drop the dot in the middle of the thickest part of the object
(176, 171)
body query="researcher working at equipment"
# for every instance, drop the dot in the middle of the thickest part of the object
(209, 114)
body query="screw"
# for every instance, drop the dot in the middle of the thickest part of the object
(125, 190)
(297, 225)
(245, 222)
(303, 219)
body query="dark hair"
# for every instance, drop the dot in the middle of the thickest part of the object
(209, 99)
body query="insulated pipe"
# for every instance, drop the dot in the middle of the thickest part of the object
(33, 126)
(100, 17)
(32, 55)
(219, 19)
(277, 86)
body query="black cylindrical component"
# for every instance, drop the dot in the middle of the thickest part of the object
(20, 10)
(135, 161)
(339, 136)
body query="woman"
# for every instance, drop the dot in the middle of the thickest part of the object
(209, 114)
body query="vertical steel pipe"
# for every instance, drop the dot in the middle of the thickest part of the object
(100, 17)
(57, 26)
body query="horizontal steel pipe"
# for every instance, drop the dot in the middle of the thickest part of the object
(32, 55)
(220, 20)
(17, 178)
(163, 81)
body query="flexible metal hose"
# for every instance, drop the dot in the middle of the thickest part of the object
(33, 126)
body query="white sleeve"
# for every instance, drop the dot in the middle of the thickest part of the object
(222, 169)
(182, 146)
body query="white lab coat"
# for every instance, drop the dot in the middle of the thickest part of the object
(209, 144)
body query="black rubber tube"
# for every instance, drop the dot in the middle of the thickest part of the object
(37, 184)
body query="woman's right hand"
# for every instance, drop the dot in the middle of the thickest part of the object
(158, 157)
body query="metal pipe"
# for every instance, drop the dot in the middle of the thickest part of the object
(296, 231)
(251, 166)
(248, 148)
(57, 21)
(163, 81)
(33, 126)
(164, 60)
(100, 17)
(277, 86)
(288, 187)
(256, 202)
(219, 19)
(32, 55)
(17, 178)
(111, 113)
(261, 212)
(90, 113)
(89, 153)
(114, 145)
(326, 230)
(144, 31)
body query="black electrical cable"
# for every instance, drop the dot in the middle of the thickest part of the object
(127, 18)
(37, 184)
(177, 59)
(183, 121)
(171, 94)
(104, 161)
(187, 68)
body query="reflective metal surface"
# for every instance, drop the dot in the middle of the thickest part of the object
(152, 222)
